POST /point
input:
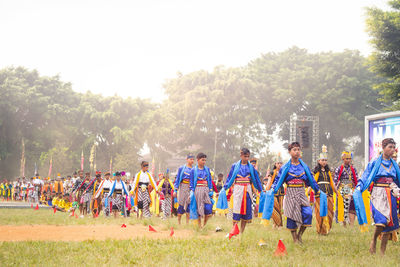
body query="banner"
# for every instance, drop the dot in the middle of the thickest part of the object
(379, 127)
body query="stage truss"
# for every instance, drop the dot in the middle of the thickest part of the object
(294, 119)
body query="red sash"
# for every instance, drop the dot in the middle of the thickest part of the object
(354, 177)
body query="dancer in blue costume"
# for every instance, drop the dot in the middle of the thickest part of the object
(245, 180)
(296, 174)
(384, 173)
(182, 188)
(201, 191)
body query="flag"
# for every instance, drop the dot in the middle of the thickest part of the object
(91, 157)
(82, 160)
(95, 157)
(151, 229)
(51, 166)
(280, 249)
(172, 232)
(234, 231)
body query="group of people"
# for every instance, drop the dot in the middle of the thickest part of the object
(337, 194)
(375, 195)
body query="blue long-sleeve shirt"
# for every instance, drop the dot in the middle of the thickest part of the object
(244, 171)
(201, 175)
(296, 172)
(186, 175)
(385, 170)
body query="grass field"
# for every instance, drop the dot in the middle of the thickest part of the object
(343, 247)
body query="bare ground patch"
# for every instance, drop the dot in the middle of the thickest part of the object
(84, 232)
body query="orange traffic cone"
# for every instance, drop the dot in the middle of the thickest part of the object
(234, 231)
(37, 207)
(172, 232)
(54, 210)
(123, 225)
(151, 229)
(281, 249)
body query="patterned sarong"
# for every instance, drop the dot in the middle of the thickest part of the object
(295, 198)
(277, 212)
(324, 225)
(103, 203)
(117, 202)
(144, 202)
(184, 195)
(202, 197)
(384, 208)
(239, 198)
(166, 207)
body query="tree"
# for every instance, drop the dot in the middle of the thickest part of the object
(384, 28)
(214, 112)
(334, 86)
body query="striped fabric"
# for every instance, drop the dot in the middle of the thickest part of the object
(166, 207)
(202, 183)
(295, 198)
(202, 197)
(144, 197)
(242, 180)
(184, 195)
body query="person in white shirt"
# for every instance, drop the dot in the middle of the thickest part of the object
(118, 195)
(103, 191)
(141, 188)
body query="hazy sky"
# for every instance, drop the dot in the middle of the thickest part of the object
(132, 47)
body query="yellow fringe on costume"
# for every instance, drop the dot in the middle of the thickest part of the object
(325, 221)
(265, 222)
(223, 212)
(155, 209)
(334, 202)
(364, 228)
(231, 203)
(340, 208)
(215, 202)
(366, 196)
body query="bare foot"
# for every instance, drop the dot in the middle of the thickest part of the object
(372, 248)
(299, 239)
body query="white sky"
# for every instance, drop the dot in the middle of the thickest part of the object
(131, 47)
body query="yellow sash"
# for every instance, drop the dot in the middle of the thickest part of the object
(137, 188)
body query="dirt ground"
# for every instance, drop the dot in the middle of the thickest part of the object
(83, 232)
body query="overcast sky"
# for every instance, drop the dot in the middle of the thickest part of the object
(131, 47)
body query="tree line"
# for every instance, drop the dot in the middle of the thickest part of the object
(216, 111)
